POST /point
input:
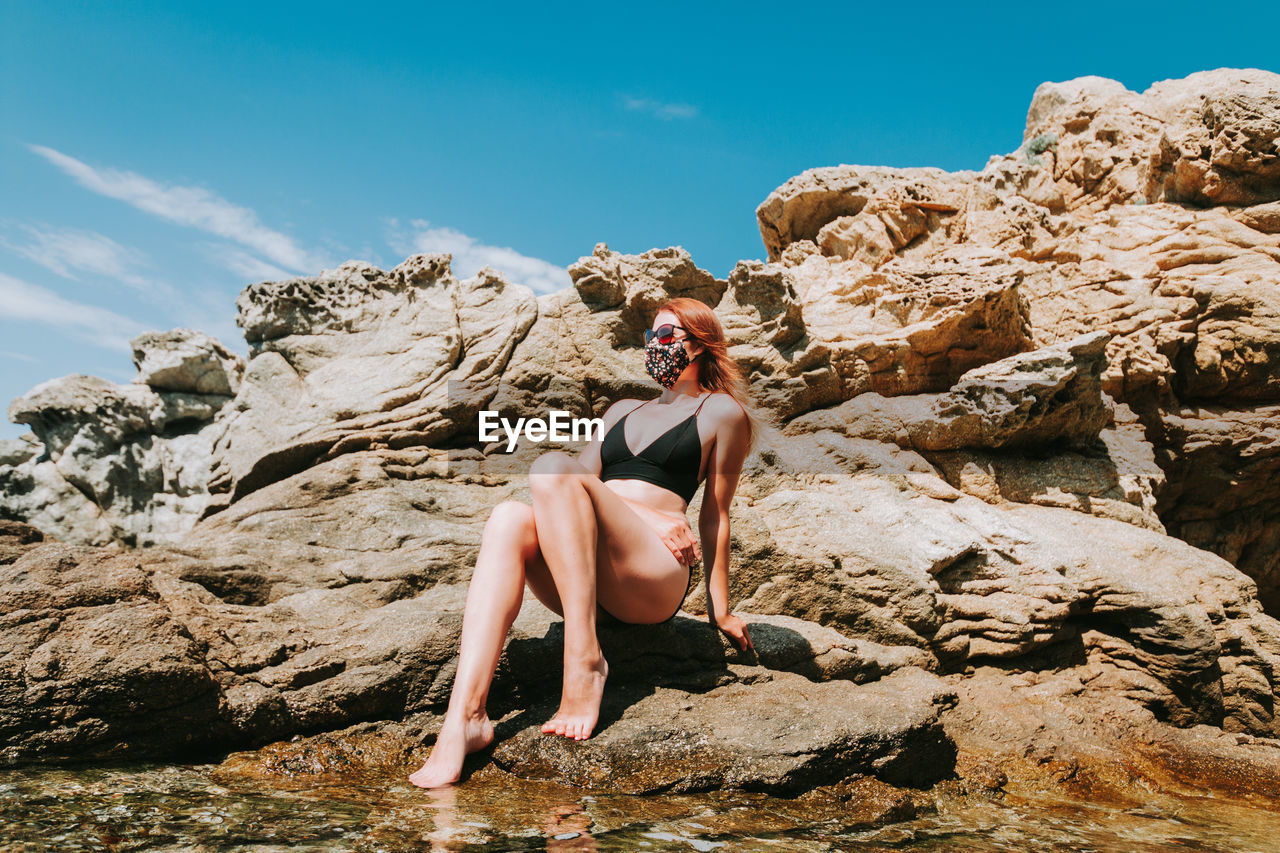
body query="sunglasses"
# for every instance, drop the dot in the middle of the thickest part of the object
(664, 333)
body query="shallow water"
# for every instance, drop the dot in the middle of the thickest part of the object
(197, 807)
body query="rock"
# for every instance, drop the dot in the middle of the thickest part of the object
(106, 652)
(1177, 629)
(865, 801)
(780, 735)
(15, 451)
(359, 358)
(118, 462)
(1222, 463)
(16, 538)
(889, 206)
(1151, 216)
(1029, 399)
(369, 755)
(1024, 732)
(1120, 480)
(1017, 444)
(1261, 217)
(1025, 400)
(586, 349)
(186, 360)
(1208, 138)
(909, 328)
(789, 370)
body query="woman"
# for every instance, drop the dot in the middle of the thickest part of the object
(608, 530)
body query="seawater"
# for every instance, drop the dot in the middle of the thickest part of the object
(198, 808)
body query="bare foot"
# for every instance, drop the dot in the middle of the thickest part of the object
(579, 699)
(453, 744)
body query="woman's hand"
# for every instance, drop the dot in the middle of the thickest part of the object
(737, 631)
(678, 536)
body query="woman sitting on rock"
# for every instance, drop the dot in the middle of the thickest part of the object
(608, 530)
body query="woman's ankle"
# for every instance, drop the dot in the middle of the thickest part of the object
(589, 658)
(463, 715)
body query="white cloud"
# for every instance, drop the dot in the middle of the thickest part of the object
(22, 301)
(68, 251)
(661, 109)
(21, 356)
(244, 264)
(470, 255)
(192, 206)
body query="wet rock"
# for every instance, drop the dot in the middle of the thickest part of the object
(865, 801)
(778, 734)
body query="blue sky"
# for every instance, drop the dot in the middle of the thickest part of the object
(156, 158)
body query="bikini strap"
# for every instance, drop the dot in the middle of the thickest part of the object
(628, 414)
(699, 409)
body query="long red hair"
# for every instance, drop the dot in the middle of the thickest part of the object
(717, 370)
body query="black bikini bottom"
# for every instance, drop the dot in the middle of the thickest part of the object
(688, 586)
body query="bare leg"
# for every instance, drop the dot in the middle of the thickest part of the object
(565, 517)
(493, 602)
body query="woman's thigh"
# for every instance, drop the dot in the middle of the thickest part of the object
(514, 519)
(638, 579)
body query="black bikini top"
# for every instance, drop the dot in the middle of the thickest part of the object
(671, 461)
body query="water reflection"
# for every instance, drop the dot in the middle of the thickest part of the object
(444, 803)
(568, 828)
(201, 808)
(565, 825)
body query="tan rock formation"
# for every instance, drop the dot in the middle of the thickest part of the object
(1010, 408)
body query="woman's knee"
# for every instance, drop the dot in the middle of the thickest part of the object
(555, 465)
(512, 519)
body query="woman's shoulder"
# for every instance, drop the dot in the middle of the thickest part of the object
(724, 400)
(722, 405)
(619, 408)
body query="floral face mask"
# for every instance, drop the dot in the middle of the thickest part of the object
(665, 362)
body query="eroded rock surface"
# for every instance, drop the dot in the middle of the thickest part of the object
(128, 463)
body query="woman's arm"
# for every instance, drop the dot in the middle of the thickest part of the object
(727, 455)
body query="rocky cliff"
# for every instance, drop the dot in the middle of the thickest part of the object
(1017, 507)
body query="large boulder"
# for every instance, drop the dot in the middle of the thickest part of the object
(107, 652)
(1151, 216)
(359, 358)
